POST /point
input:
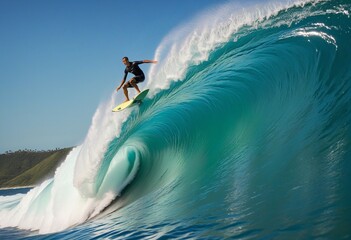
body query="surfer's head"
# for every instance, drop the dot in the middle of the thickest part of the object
(125, 61)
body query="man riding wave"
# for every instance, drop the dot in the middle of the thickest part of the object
(132, 67)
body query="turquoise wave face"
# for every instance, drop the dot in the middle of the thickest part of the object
(257, 137)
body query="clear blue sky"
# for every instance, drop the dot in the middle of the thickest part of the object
(60, 58)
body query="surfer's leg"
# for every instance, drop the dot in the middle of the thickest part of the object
(125, 90)
(133, 83)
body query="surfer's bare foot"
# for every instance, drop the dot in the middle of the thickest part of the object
(126, 100)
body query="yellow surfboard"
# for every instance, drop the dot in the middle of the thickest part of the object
(138, 98)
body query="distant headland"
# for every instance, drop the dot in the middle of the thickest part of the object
(23, 168)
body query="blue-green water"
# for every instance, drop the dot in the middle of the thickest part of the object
(246, 134)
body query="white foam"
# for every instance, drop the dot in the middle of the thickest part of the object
(191, 43)
(104, 127)
(70, 197)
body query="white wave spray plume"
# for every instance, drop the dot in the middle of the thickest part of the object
(191, 43)
(70, 197)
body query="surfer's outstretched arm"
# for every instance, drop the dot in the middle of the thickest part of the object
(149, 61)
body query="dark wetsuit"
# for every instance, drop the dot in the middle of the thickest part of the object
(135, 69)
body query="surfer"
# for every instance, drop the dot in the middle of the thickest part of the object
(133, 67)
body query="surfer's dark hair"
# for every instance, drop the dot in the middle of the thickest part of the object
(126, 58)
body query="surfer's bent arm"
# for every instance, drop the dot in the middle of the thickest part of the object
(123, 80)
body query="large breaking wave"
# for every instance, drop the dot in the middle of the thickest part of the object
(252, 103)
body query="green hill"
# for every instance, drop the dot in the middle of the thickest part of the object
(26, 168)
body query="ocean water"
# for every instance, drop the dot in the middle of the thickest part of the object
(245, 134)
